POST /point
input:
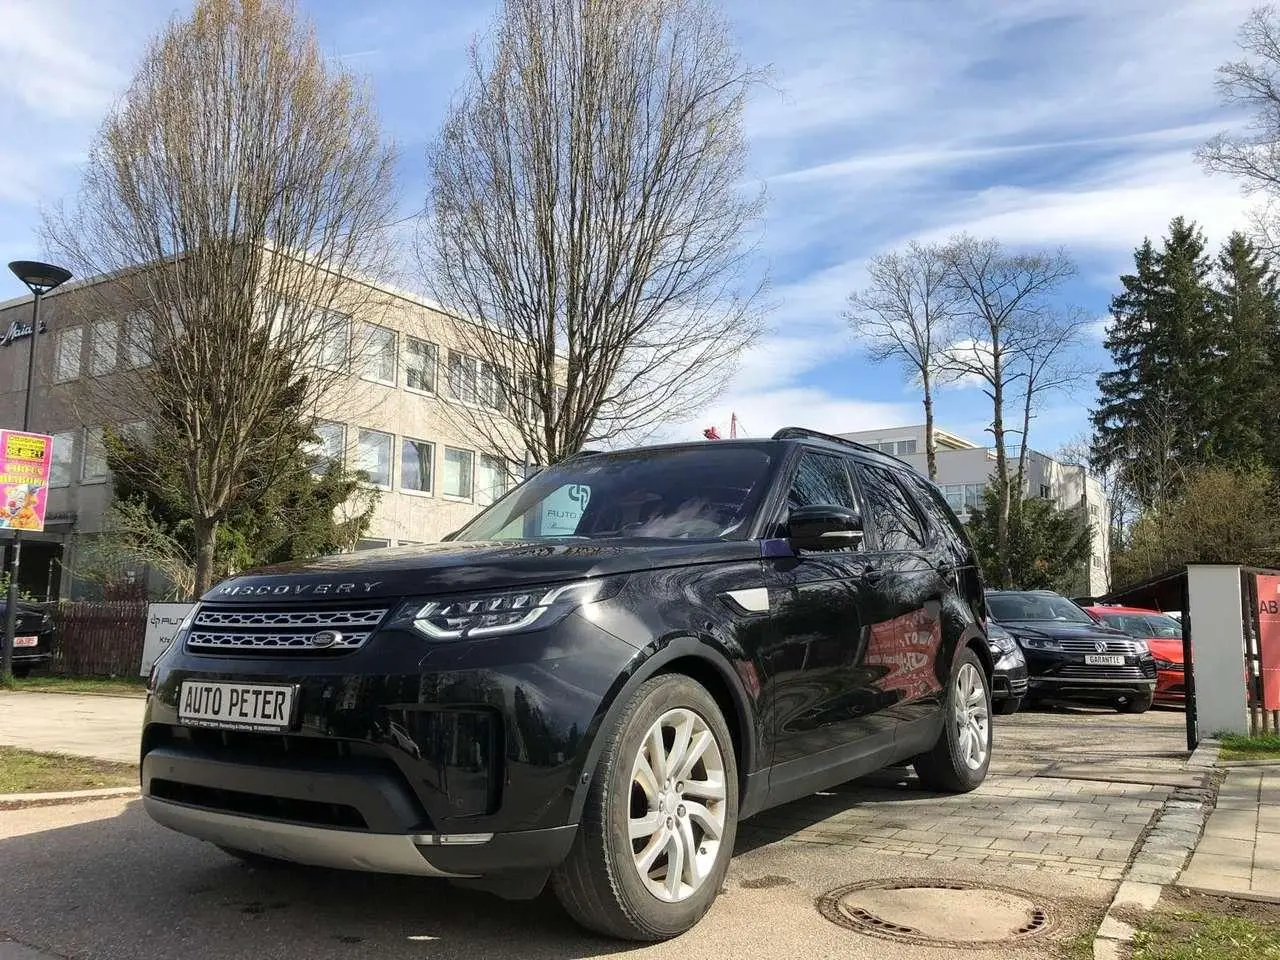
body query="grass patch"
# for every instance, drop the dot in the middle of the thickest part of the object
(25, 771)
(1213, 930)
(111, 686)
(1236, 746)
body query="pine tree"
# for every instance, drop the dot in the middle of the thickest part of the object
(1161, 405)
(1247, 305)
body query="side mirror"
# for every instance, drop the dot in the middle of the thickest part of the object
(824, 527)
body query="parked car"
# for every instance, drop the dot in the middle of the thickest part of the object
(1009, 682)
(1163, 636)
(1070, 655)
(592, 682)
(33, 637)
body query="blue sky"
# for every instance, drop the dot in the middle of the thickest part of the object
(1045, 123)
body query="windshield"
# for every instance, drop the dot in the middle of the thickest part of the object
(1035, 606)
(696, 492)
(1148, 626)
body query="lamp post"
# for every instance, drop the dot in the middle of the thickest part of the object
(40, 278)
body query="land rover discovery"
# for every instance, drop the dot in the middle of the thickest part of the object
(592, 683)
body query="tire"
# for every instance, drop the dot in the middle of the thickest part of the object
(23, 671)
(1135, 704)
(959, 764)
(1008, 706)
(600, 884)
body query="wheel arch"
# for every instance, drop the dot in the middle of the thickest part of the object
(701, 662)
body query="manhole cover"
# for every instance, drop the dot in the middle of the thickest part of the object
(938, 912)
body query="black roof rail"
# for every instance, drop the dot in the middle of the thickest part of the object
(802, 433)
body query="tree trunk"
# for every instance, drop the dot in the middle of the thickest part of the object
(206, 531)
(1003, 572)
(930, 447)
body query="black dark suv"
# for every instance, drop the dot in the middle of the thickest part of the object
(593, 682)
(1070, 655)
(33, 637)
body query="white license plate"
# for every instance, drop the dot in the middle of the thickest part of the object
(1104, 660)
(250, 706)
(25, 641)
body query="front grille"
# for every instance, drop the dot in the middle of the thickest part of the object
(232, 630)
(1113, 645)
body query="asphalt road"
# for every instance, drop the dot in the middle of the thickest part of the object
(99, 880)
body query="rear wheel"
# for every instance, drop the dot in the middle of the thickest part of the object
(658, 828)
(959, 761)
(1135, 704)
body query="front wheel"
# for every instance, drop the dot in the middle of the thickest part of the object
(1008, 706)
(1135, 704)
(958, 762)
(658, 828)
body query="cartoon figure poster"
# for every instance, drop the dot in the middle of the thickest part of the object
(25, 459)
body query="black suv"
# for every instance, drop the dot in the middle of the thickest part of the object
(1070, 655)
(594, 681)
(33, 637)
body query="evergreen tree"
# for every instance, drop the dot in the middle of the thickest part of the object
(1247, 305)
(1162, 403)
(1048, 547)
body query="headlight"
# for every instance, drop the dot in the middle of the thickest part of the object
(1001, 643)
(494, 613)
(1140, 647)
(1167, 665)
(1038, 643)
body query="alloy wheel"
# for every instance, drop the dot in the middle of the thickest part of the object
(677, 805)
(971, 716)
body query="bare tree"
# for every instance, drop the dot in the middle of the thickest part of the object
(228, 196)
(1003, 317)
(1050, 364)
(906, 314)
(587, 213)
(1253, 83)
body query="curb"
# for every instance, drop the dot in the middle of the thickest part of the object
(1169, 843)
(18, 801)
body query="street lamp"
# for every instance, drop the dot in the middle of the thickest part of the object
(40, 278)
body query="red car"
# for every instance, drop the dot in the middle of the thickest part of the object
(1163, 635)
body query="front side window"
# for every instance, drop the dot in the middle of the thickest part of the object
(458, 466)
(701, 492)
(820, 480)
(416, 459)
(60, 468)
(896, 522)
(420, 365)
(379, 354)
(94, 467)
(373, 456)
(105, 347)
(68, 344)
(947, 527)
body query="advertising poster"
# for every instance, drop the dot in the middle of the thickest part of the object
(163, 621)
(1269, 639)
(25, 459)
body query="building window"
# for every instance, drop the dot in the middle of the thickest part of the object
(1093, 510)
(905, 447)
(333, 336)
(66, 354)
(94, 467)
(963, 497)
(373, 456)
(493, 478)
(331, 441)
(420, 365)
(379, 355)
(457, 472)
(60, 468)
(138, 335)
(462, 377)
(416, 459)
(490, 392)
(1045, 492)
(1097, 562)
(105, 347)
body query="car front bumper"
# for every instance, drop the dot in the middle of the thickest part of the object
(1067, 676)
(1010, 679)
(459, 760)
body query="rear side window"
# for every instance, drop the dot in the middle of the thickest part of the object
(897, 524)
(820, 480)
(946, 527)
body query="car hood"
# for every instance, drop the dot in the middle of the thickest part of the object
(1062, 630)
(1166, 648)
(460, 566)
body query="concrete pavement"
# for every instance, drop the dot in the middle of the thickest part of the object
(107, 728)
(1056, 820)
(1239, 854)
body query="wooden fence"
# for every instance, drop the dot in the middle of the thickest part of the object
(99, 639)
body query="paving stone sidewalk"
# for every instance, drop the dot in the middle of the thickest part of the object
(1239, 854)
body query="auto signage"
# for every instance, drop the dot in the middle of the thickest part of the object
(25, 460)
